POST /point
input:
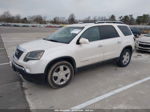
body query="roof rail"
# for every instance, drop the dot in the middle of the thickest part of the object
(117, 22)
(84, 22)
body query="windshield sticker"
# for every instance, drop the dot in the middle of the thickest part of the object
(75, 31)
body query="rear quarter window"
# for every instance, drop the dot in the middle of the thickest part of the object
(125, 30)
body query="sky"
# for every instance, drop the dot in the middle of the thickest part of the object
(81, 8)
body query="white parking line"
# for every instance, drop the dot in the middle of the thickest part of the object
(99, 98)
(4, 64)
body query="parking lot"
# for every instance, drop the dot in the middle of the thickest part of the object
(100, 86)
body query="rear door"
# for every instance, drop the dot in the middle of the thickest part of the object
(127, 36)
(111, 41)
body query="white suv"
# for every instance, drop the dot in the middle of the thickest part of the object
(57, 57)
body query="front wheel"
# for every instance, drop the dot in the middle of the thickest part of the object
(124, 58)
(60, 74)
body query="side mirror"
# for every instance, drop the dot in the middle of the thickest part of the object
(84, 41)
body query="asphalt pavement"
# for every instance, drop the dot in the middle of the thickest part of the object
(103, 86)
(11, 91)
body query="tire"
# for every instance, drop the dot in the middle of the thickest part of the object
(60, 74)
(124, 58)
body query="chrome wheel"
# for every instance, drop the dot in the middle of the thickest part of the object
(61, 74)
(126, 58)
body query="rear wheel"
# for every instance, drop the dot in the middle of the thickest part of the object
(60, 74)
(124, 58)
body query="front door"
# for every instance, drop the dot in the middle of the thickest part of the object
(90, 53)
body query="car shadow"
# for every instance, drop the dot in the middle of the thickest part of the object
(143, 52)
(95, 66)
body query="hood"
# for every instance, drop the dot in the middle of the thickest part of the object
(40, 45)
(144, 39)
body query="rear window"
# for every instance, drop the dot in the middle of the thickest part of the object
(125, 30)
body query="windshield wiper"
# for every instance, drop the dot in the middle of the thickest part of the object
(51, 40)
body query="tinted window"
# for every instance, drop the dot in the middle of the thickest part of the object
(92, 34)
(125, 30)
(108, 31)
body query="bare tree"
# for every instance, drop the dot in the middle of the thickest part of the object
(125, 19)
(86, 20)
(128, 19)
(17, 18)
(24, 20)
(112, 18)
(132, 20)
(56, 20)
(6, 17)
(38, 19)
(71, 19)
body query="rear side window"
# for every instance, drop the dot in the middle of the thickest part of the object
(92, 34)
(108, 31)
(125, 30)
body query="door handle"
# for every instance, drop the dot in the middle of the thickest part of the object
(100, 45)
(119, 42)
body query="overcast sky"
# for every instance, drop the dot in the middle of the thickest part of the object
(81, 8)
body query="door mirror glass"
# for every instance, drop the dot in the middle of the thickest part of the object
(84, 41)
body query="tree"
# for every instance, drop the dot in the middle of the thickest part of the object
(55, 20)
(125, 19)
(87, 20)
(7, 17)
(39, 19)
(146, 18)
(139, 20)
(24, 20)
(128, 19)
(71, 19)
(120, 18)
(131, 20)
(103, 18)
(112, 18)
(17, 18)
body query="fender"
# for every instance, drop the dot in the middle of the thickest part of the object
(66, 58)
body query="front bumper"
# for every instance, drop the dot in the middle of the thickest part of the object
(143, 46)
(29, 77)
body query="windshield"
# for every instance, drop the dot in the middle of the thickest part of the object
(64, 35)
(147, 35)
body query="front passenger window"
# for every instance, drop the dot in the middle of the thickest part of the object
(92, 34)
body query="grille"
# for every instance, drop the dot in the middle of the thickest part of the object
(143, 45)
(18, 53)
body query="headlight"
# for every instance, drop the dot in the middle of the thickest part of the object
(34, 55)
